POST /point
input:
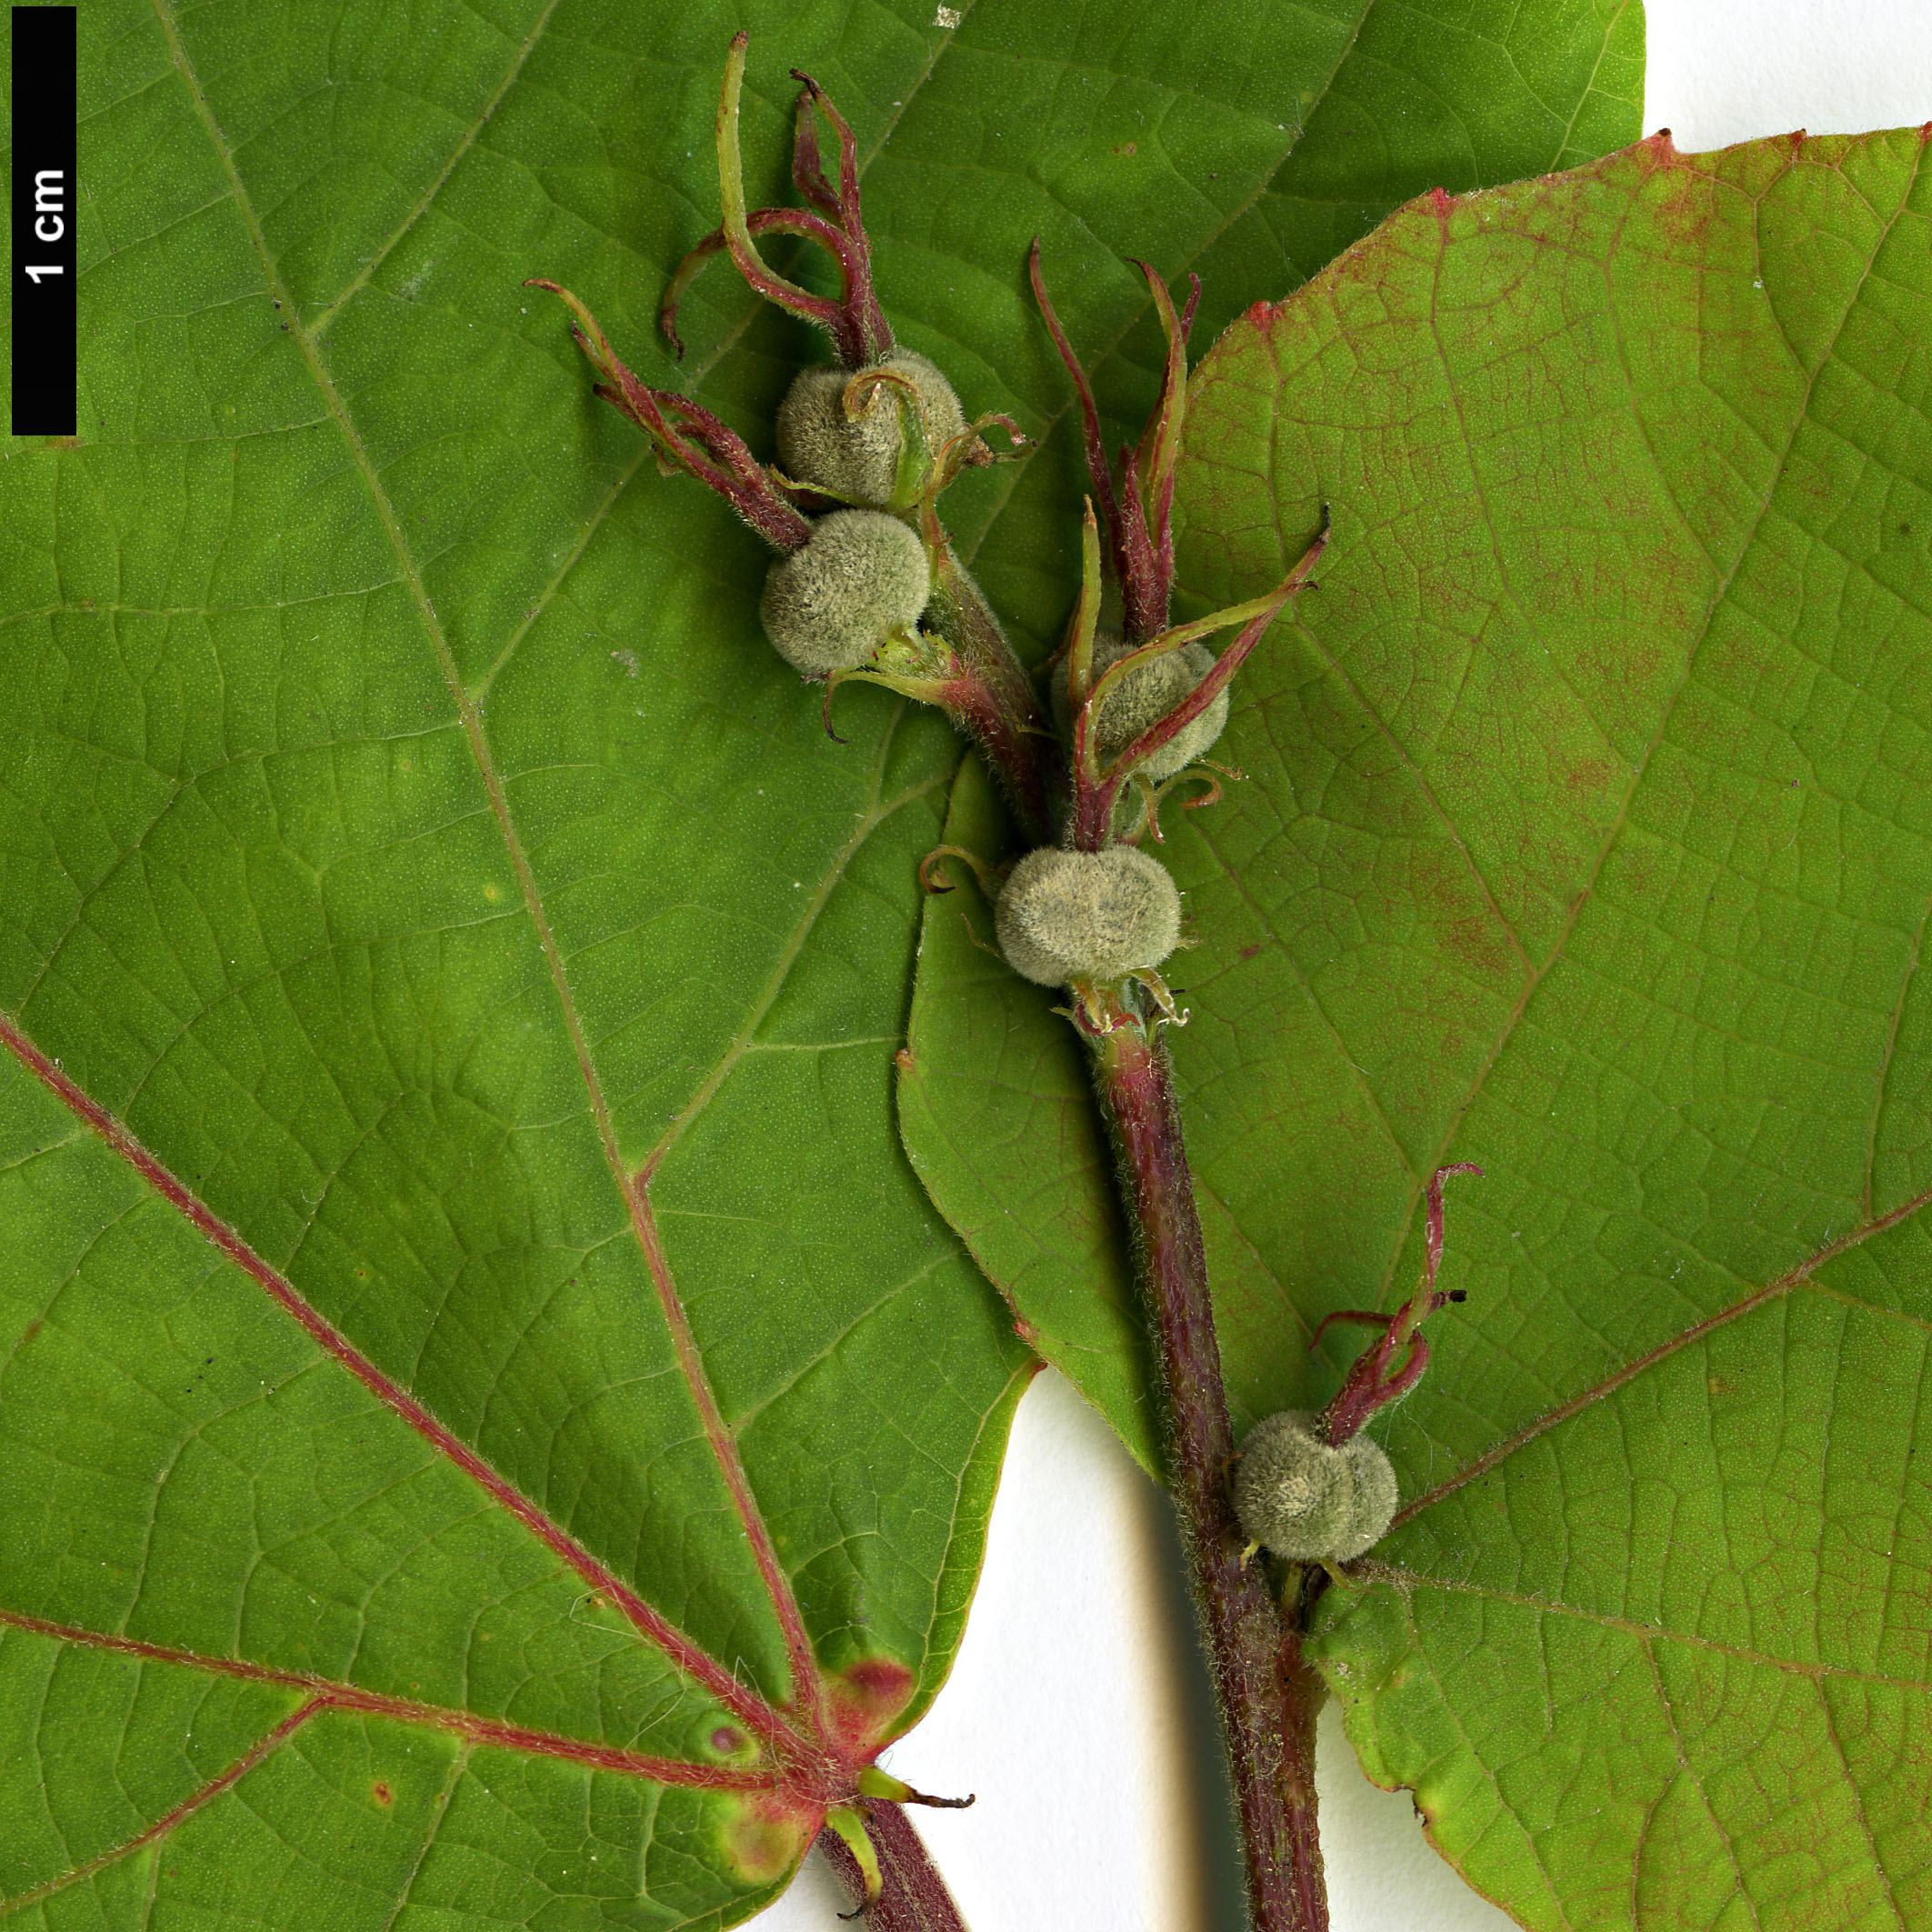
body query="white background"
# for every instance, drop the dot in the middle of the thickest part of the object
(1076, 1710)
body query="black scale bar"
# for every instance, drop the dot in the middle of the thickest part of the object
(45, 182)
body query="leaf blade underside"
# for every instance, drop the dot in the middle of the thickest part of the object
(1583, 837)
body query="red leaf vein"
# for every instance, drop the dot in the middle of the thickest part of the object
(686, 1656)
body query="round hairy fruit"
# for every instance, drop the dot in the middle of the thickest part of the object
(858, 458)
(1144, 697)
(861, 576)
(1304, 1499)
(1066, 916)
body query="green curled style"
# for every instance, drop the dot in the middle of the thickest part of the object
(1066, 915)
(1142, 699)
(858, 458)
(1306, 1500)
(860, 578)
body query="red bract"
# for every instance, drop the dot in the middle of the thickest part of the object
(1096, 787)
(689, 436)
(1137, 517)
(1387, 1370)
(855, 321)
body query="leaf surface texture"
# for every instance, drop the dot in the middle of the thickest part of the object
(1585, 835)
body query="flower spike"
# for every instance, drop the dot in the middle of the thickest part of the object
(1129, 565)
(1080, 651)
(809, 176)
(854, 321)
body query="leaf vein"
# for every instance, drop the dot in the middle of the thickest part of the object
(777, 1586)
(1409, 1582)
(871, 818)
(649, 1623)
(171, 1820)
(318, 324)
(332, 1693)
(458, 1764)
(1553, 1418)
(1720, 593)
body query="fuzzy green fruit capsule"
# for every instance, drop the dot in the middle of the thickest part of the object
(1308, 1501)
(1066, 915)
(1143, 698)
(858, 458)
(861, 577)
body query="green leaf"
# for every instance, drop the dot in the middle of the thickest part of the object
(480, 1380)
(1586, 836)
(1247, 140)
(1455, 97)
(1449, 96)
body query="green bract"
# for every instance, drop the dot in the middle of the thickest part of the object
(1066, 915)
(1143, 698)
(861, 576)
(857, 456)
(1306, 1500)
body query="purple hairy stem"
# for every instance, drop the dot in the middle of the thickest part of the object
(964, 664)
(1268, 1695)
(994, 702)
(913, 1896)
